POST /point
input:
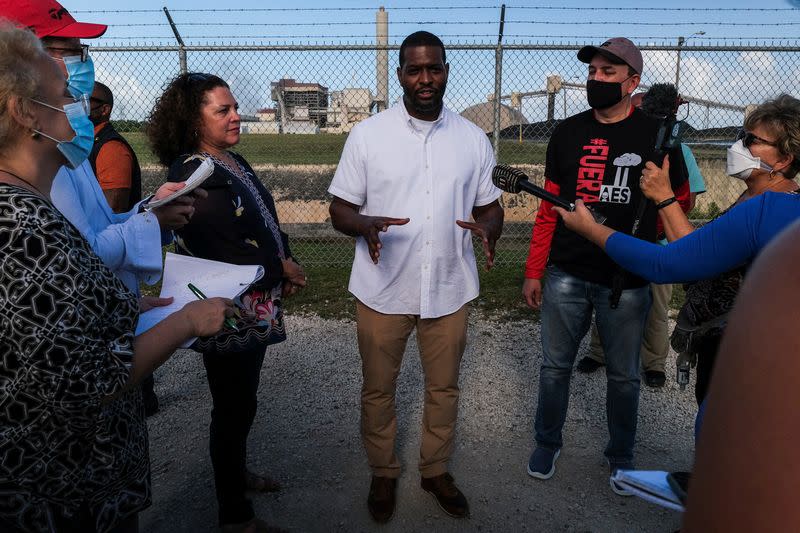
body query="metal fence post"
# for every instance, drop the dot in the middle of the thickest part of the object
(181, 46)
(498, 82)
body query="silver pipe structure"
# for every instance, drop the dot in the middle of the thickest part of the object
(382, 59)
(498, 82)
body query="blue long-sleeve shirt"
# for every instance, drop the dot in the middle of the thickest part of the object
(128, 243)
(727, 242)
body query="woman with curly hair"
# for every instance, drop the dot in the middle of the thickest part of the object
(195, 119)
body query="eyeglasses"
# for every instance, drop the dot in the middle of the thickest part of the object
(83, 101)
(749, 138)
(199, 76)
(82, 50)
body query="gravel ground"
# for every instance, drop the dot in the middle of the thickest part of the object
(306, 435)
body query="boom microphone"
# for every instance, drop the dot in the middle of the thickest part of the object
(661, 100)
(514, 180)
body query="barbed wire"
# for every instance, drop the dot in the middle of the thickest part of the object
(450, 35)
(448, 22)
(693, 9)
(441, 8)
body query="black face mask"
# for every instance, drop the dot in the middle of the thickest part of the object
(603, 94)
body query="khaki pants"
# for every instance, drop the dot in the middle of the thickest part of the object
(382, 342)
(655, 342)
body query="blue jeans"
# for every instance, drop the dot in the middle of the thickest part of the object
(567, 303)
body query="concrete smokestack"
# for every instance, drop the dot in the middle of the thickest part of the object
(382, 59)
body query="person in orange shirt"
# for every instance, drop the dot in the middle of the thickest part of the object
(117, 169)
(112, 158)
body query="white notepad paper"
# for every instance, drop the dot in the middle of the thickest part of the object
(650, 485)
(200, 175)
(213, 278)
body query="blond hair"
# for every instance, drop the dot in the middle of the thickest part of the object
(781, 117)
(19, 51)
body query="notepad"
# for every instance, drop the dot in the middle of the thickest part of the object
(214, 278)
(650, 485)
(200, 175)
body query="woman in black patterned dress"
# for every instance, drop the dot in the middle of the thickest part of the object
(195, 119)
(72, 432)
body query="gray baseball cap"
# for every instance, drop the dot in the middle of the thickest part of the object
(616, 49)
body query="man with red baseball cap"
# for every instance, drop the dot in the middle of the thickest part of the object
(596, 156)
(128, 243)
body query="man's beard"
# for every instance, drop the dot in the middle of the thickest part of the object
(431, 106)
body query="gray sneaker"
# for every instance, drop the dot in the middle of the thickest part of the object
(542, 464)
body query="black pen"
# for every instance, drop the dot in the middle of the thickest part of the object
(230, 322)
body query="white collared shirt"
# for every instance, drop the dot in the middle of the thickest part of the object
(392, 168)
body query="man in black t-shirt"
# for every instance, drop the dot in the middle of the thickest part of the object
(596, 156)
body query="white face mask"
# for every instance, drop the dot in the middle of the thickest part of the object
(741, 163)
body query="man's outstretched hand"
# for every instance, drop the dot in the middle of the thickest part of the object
(371, 227)
(482, 230)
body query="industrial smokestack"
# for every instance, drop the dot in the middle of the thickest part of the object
(382, 59)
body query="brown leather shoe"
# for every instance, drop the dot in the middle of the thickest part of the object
(381, 499)
(447, 495)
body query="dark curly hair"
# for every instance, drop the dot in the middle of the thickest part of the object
(173, 123)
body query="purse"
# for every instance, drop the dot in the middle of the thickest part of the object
(705, 309)
(259, 320)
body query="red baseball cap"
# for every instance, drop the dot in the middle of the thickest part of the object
(48, 18)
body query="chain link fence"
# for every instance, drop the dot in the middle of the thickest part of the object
(298, 103)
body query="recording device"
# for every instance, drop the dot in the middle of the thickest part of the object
(661, 101)
(514, 181)
(683, 368)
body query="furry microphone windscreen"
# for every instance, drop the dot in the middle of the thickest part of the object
(661, 100)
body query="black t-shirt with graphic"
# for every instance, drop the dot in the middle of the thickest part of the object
(601, 164)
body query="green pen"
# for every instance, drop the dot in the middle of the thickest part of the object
(231, 323)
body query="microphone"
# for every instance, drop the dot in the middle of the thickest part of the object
(661, 100)
(514, 180)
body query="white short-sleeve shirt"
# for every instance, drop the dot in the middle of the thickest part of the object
(391, 167)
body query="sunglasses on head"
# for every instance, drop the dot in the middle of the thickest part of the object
(198, 77)
(749, 138)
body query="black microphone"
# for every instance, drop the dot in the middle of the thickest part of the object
(661, 100)
(514, 180)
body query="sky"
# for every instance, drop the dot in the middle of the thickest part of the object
(524, 19)
(740, 77)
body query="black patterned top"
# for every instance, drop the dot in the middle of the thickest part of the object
(237, 223)
(70, 456)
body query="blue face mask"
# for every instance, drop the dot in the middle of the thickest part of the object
(80, 76)
(76, 150)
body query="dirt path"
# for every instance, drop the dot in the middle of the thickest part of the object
(306, 435)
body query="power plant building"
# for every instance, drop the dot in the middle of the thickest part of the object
(300, 103)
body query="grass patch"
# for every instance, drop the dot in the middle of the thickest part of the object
(327, 296)
(321, 149)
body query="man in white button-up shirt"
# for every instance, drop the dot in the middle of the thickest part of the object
(423, 170)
